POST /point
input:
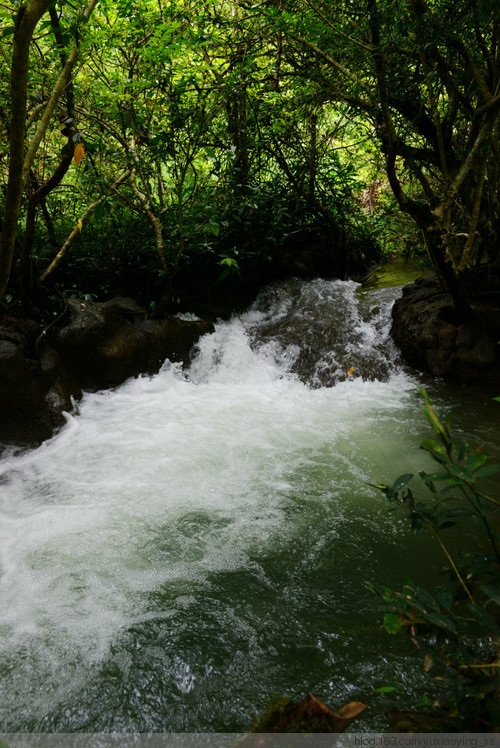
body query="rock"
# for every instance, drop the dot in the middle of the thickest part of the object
(432, 338)
(59, 386)
(103, 344)
(24, 414)
(98, 345)
(36, 387)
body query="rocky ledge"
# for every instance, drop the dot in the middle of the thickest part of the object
(431, 337)
(95, 346)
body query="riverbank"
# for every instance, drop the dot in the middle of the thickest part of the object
(432, 338)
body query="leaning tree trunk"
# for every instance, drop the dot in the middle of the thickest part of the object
(27, 18)
(20, 163)
(40, 192)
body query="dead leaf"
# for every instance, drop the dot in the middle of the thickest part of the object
(79, 153)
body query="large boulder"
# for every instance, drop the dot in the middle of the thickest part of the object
(36, 388)
(60, 388)
(432, 338)
(103, 344)
(93, 346)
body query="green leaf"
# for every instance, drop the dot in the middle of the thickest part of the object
(229, 262)
(421, 597)
(446, 525)
(460, 473)
(431, 445)
(9, 31)
(487, 470)
(379, 487)
(438, 477)
(474, 462)
(101, 210)
(214, 230)
(393, 624)
(444, 597)
(384, 592)
(483, 618)
(401, 482)
(389, 688)
(427, 480)
(441, 621)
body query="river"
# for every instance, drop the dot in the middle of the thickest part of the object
(193, 543)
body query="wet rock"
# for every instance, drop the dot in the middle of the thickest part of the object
(24, 414)
(103, 344)
(59, 387)
(431, 337)
(96, 345)
(322, 330)
(36, 387)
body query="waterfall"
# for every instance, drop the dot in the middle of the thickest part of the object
(194, 541)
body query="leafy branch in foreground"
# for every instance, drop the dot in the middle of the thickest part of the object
(457, 625)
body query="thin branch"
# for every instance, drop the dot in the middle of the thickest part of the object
(59, 87)
(77, 231)
(153, 219)
(34, 115)
(332, 26)
(331, 62)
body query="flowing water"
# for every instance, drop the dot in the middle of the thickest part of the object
(193, 543)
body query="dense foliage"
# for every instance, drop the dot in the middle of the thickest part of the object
(146, 143)
(425, 75)
(457, 625)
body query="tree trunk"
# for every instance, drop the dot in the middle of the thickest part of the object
(19, 163)
(27, 18)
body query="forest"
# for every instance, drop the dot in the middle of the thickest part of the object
(166, 150)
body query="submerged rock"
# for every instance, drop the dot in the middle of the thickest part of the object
(431, 336)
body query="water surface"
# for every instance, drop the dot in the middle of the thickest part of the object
(194, 542)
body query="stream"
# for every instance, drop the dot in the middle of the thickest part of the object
(193, 543)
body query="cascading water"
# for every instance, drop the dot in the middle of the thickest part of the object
(194, 542)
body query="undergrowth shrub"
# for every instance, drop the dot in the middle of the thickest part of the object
(456, 626)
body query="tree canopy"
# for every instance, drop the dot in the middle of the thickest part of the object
(155, 138)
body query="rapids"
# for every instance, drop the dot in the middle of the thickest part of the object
(194, 542)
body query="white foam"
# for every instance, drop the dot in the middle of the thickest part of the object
(174, 477)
